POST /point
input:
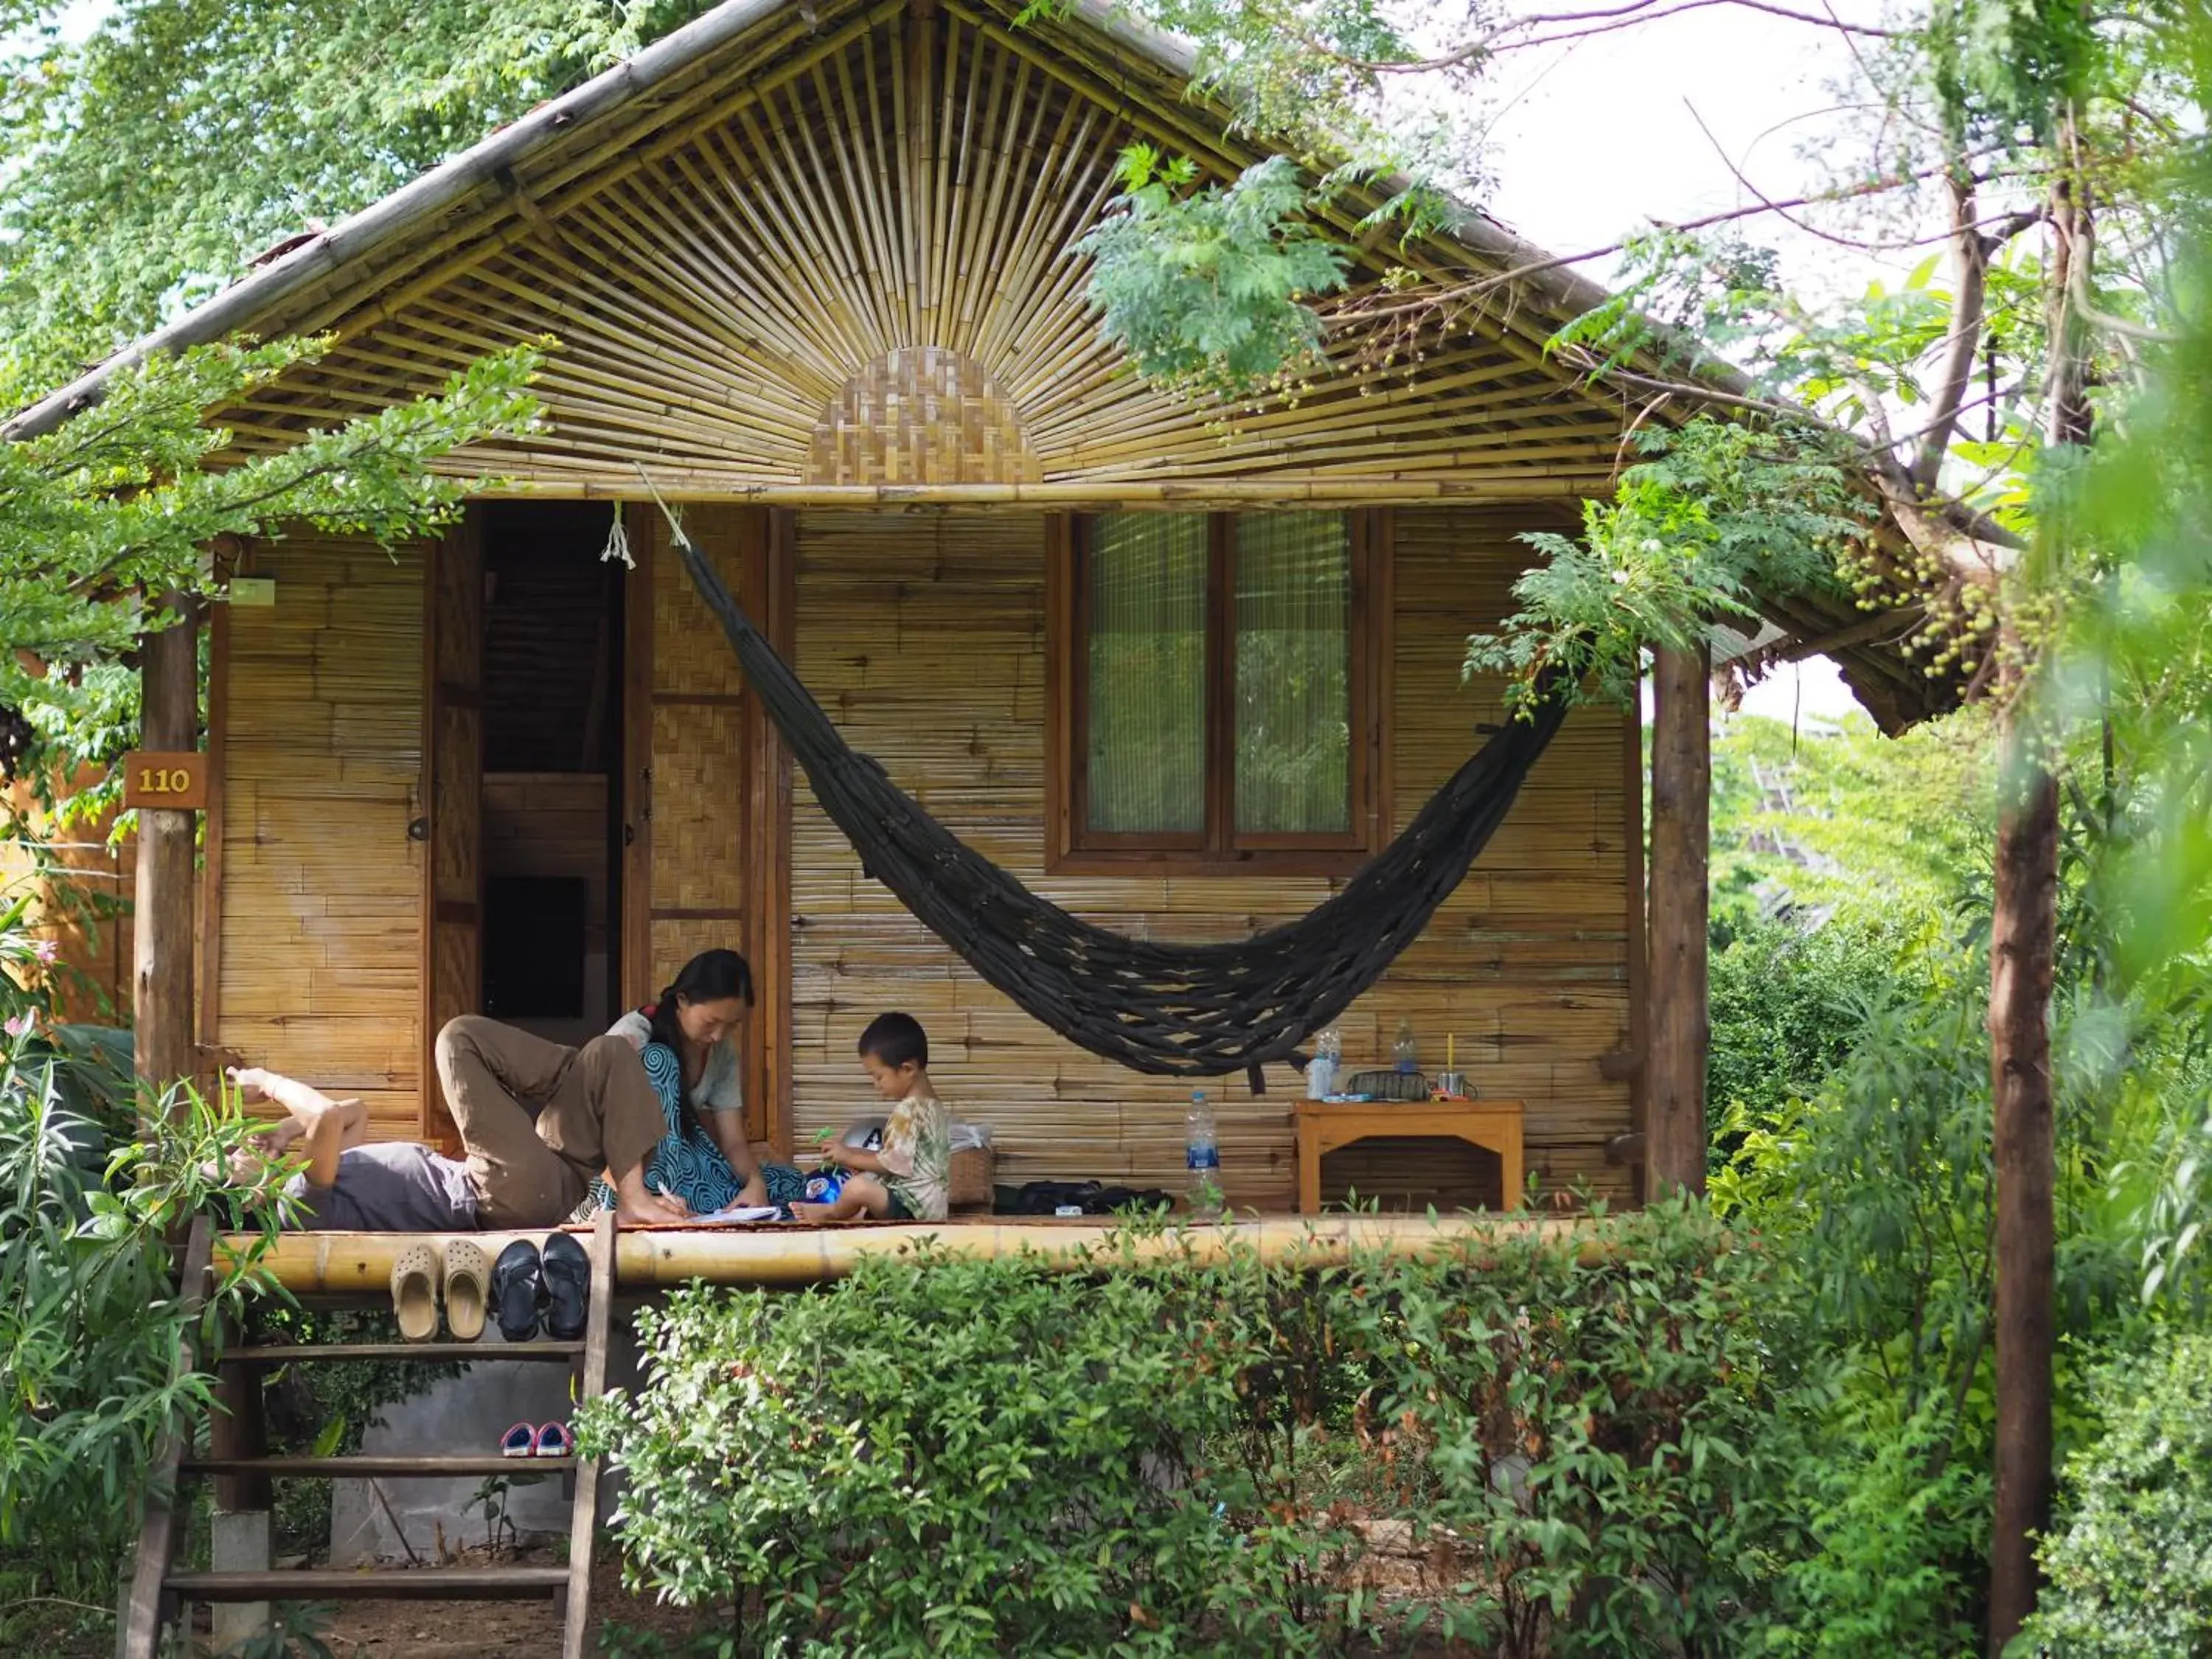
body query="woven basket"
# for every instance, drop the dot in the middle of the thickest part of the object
(973, 1170)
(1388, 1085)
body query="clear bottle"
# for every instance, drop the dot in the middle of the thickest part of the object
(1321, 1077)
(1326, 1067)
(1202, 1156)
(1408, 1052)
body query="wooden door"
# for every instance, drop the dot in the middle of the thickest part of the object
(452, 820)
(706, 786)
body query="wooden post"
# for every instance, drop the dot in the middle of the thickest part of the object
(141, 1606)
(768, 579)
(1681, 788)
(240, 1524)
(162, 910)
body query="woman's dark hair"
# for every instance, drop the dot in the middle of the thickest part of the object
(710, 976)
(895, 1039)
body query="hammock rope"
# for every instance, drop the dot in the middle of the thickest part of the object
(1165, 1009)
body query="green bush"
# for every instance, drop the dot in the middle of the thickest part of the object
(2130, 1565)
(1895, 1534)
(1788, 1005)
(1531, 1446)
(89, 1315)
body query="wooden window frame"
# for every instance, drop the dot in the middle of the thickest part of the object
(1217, 850)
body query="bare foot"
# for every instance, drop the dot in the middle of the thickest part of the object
(654, 1210)
(805, 1211)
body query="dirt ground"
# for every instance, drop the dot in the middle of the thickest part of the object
(509, 1630)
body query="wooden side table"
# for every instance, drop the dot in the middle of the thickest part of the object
(1325, 1125)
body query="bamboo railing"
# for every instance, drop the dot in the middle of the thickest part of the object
(788, 1256)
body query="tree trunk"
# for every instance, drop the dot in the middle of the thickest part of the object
(2022, 936)
(2023, 929)
(1682, 803)
(161, 912)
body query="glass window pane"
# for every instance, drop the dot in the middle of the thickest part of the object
(1293, 673)
(1146, 701)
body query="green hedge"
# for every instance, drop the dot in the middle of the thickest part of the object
(1517, 1448)
(2130, 1565)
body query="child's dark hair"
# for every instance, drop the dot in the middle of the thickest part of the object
(710, 976)
(895, 1039)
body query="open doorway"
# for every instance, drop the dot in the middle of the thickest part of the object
(552, 741)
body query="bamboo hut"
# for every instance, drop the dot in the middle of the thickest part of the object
(809, 264)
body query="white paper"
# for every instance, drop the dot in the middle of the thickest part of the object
(737, 1213)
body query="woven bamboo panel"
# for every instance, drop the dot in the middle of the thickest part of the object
(924, 636)
(841, 256)
(698, 760)
(922, 416)
(698, 800)
(675, 942)
(690, 658)
(321, 960)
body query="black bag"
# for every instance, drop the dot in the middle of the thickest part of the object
(1048, 1197)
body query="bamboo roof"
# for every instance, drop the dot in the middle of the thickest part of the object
(816, 251)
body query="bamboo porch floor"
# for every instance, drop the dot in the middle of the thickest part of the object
(786, 1255)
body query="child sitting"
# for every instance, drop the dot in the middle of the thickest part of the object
(909, 1178)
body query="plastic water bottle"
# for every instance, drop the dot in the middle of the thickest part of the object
(1328, 1065)
(1409, 1055)
(1202, 1155)
(1321, 1079)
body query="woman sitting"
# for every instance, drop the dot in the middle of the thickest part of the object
(694, 1025)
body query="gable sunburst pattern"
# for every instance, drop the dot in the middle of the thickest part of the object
(842, 257)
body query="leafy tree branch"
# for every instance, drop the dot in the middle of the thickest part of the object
(104, 516)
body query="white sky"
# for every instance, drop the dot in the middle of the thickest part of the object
(1592, 140)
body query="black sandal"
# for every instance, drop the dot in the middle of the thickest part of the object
(567, 1271)
(518, 1287)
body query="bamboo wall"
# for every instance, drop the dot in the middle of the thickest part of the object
(924, 636)
(322, 905)
(698, 790)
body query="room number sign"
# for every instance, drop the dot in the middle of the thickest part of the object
(176, 780)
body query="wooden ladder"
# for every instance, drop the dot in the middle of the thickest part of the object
(156, 1593)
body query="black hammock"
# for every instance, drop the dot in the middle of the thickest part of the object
(1171, 1010)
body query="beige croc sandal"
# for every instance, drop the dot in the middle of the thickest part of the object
(415, 1277)
(468, 1271)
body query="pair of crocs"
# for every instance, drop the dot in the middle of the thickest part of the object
(458, 1269)
(552, 1286)
(546, 1440)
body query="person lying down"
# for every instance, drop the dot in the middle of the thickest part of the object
(537, 1122)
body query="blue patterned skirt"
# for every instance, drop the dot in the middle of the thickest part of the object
(692, 1167)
